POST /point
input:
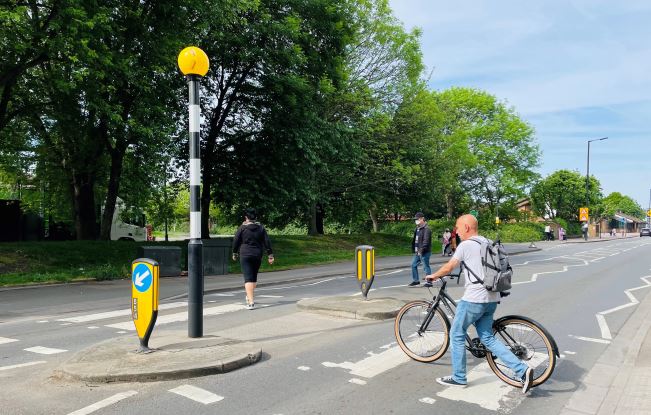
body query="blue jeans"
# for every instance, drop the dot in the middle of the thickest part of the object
(416, 261)
(481, 315)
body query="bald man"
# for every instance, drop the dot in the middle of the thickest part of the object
(477, 307)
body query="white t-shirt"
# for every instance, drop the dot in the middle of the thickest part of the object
(469, 252)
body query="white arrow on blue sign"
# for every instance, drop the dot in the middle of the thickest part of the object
(141, 278)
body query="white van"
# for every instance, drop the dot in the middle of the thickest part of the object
(125, 226)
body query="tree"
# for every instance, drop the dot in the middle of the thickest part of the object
(619, 203)
(562, 193)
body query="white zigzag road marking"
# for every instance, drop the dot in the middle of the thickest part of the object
(535, 276)
(601, 320)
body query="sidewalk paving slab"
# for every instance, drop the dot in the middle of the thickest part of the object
(176, 356)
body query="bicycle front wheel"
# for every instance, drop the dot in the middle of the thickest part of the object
(530, 343)
(428, 345)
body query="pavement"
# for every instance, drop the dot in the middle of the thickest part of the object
(620, 382)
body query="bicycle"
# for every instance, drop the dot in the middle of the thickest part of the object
(423, 333)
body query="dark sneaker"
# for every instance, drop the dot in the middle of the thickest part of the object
(527, 380)
(428, 284)
(448, 381)
(413, 283)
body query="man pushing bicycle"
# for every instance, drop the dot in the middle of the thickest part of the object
(477, 306)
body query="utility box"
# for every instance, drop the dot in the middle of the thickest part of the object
(216, 254)
(168, 258)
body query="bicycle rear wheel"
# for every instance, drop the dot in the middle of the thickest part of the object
(530, 343)
(429, 345)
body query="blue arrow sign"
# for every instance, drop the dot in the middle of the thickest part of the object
(142, 278)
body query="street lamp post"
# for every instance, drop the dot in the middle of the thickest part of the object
(587, 173)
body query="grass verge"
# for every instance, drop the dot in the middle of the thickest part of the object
(51, 262)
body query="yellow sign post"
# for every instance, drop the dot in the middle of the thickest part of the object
(583, 214)
(144, 299)
(365, 261)
(648, 213)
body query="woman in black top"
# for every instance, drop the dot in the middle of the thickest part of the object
(250, 241)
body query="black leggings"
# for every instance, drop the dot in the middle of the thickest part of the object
(250, 266)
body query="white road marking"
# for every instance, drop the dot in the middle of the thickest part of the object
(360, 293)
(223, 294)
(427, 400)
(44, 350)
(121, 332)
(389, 273)
(38, 362)
(374, 364)
(601, 320)
(303, 368)
(65, 324)
(4, 340)
(197, 394)
(43, 321)
(357, 381)
(117, 313)
(93, 327)
(484, 389)
(589, 339)
(104, 403)
(269, 296)
(568, 352)
(183, 316)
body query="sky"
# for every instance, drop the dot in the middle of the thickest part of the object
(575, 70)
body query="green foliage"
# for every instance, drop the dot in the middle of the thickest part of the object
(517, 232)
(616, 202)
(562, 193)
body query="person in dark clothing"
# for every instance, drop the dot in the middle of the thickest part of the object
(421, 246)
(249, 244)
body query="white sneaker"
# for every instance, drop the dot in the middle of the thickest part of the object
(249, 306)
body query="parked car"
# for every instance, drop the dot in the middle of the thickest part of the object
(645, 232)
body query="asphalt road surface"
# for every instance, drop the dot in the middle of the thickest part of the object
(315, 364)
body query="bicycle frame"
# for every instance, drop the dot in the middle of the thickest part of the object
(443, 297)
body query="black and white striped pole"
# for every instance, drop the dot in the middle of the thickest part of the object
(194, 64)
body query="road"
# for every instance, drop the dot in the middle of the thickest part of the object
(315, 364)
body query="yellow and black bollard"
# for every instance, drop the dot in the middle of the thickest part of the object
(144, 299)
(365, 261)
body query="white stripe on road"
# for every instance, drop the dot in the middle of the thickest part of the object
(269, 296)
(44, 350)
(589, 339)
(357, 381)
(303, 368)
(4, 340)
(197, 394)
(374, 364)
(603, 326)
(389, 273)
(183, 316)
(427, 400)
(601, 320)
(38, 362)
(117, 313)
(104, 403)
(483, 389)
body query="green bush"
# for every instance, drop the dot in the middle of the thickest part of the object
(517, 232)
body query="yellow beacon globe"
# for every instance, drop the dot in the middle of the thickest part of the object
(193, 61)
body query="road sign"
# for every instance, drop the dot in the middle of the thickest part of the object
(144, 298)
(648, 213)
(583, 214)
(497, 220)
(365, 261)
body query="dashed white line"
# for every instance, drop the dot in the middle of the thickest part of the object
(4, 340)
(104, 403)
(427, 400)
(357, 381)
(43, 321)
(183, 316)
(197, 394)
(117, 313)
(93, 327)
(303, 368)
(269, 296)
(38, 362)
(44, 350)
(569, 352)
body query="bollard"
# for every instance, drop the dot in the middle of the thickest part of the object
(144, 299)
(194, 64)
(365, 267)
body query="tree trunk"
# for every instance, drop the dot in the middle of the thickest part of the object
(117, 159)
(84, 206)
(312, 225)
(319, 219)
(373, 214)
